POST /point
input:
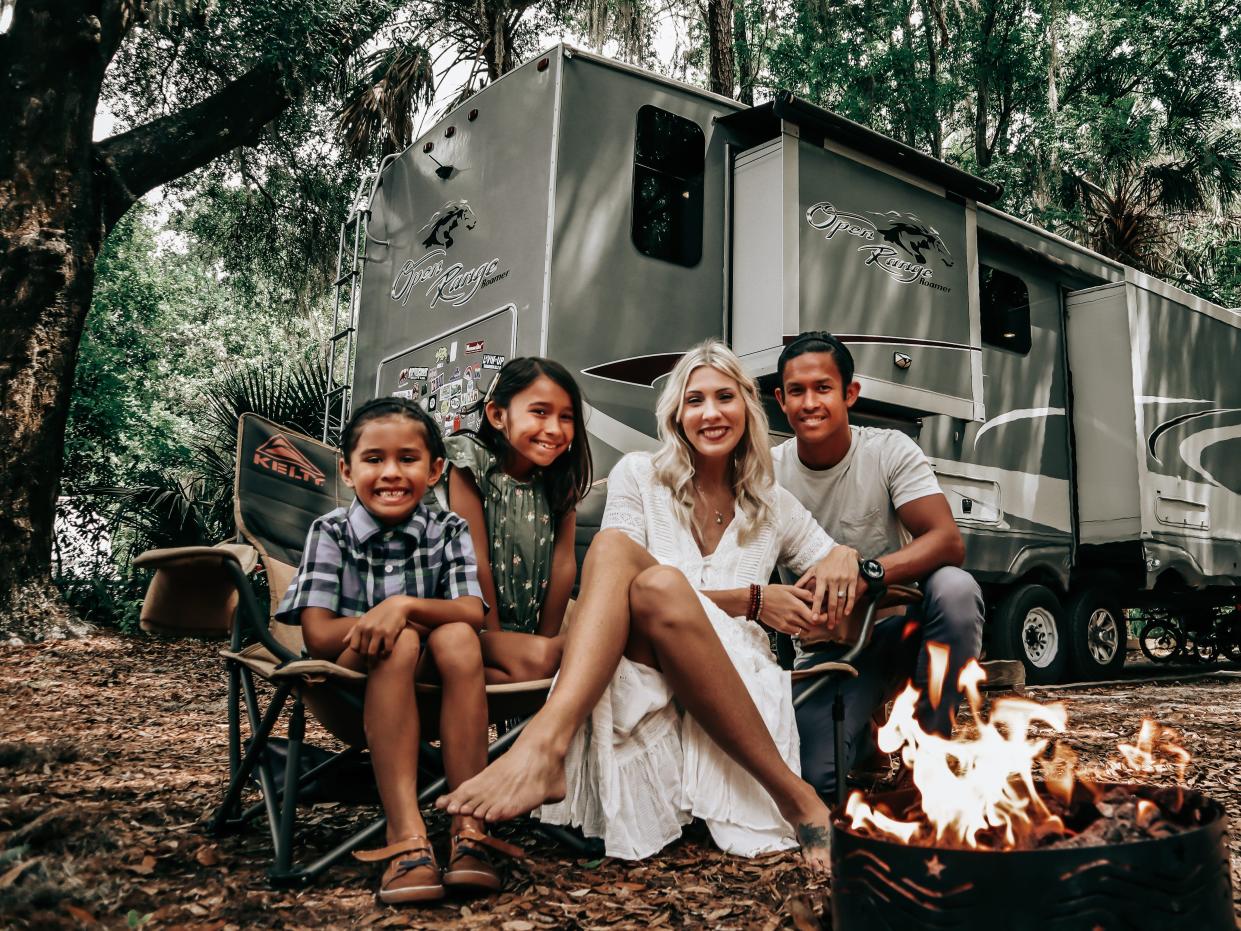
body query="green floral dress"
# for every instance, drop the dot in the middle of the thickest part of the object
(520, 529)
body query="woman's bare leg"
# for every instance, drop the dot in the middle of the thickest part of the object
(672, 633)
(532, 771)
(510, 656)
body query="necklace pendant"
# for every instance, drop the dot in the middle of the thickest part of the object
(719, 517)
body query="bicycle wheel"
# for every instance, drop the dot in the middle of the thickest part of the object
(1162, 642)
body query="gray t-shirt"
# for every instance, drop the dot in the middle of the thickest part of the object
(855, 500)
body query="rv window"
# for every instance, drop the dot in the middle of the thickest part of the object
(1005, 310)
(669, 160)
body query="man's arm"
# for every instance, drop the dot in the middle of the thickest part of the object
(936, 541)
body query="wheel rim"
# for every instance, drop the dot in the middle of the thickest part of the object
(1039, 637)
(1102, 636)
(1160, 643)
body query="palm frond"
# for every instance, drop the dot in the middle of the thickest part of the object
(379, 110)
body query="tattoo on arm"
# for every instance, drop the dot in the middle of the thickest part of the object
(813, 835)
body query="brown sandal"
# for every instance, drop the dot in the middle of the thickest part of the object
(413, 878)
(469, 864)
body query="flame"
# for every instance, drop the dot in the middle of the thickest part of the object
(978, 790)
(970, 786)
(937, 668)
(1156, 751)
(862, 815)
(1147, 812)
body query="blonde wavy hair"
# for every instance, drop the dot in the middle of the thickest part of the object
(753, 476)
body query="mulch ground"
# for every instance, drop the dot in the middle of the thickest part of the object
(112, 750)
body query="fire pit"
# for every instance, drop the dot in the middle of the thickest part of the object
(1177, 881)
(981, 843)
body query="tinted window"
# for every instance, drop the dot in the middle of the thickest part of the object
(1005, 310)
(670, 154)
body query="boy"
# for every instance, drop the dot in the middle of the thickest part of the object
(873, 490)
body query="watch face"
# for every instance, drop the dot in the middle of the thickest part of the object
(872, 568)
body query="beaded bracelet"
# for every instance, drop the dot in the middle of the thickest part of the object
(756, 603)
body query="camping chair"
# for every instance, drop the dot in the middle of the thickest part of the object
(283, 481)
(856, 629)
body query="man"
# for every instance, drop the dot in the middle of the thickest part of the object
(873, 490)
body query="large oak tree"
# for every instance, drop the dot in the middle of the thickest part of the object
(61, 191)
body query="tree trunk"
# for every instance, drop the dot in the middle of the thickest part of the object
(983, 74)
(59, 193)
(722, 76)
(747, 67)
(50, 233)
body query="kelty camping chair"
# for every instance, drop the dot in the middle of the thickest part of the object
(856, 630)
(284, 480)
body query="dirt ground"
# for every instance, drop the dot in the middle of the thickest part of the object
(112, 750)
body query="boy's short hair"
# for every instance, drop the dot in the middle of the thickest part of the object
(818, 341)
(392, 407)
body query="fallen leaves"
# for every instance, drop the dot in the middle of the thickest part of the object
(104, 790)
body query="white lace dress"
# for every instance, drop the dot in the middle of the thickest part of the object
(640, 769)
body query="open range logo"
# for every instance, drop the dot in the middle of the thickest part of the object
(899, 244)
(454, 283)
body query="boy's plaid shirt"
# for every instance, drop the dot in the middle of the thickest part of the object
(351, 563)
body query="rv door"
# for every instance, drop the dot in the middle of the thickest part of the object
(828, 240)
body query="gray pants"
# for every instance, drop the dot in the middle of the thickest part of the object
(951, 613)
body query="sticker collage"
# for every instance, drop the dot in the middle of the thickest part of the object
(457, 375)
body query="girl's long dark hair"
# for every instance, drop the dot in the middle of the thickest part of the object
(568, 478)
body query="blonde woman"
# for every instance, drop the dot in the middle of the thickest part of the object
(689, 714)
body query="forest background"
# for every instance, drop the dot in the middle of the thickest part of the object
(200, 283)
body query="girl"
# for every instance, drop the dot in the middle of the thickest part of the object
(379, 581)
(690, 716)
(517, 481)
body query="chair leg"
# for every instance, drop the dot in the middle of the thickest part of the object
(288, 807)
(838, 738)
(253, 757)
(234, 719)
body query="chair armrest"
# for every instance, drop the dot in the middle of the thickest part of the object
(240, 553)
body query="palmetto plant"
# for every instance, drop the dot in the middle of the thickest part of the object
(197, 508)
(1153, 171)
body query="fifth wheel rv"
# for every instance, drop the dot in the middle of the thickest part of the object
(1084, 419)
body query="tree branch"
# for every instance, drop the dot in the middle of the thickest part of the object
(168, 147)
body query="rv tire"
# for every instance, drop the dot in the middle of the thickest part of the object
(1027, 626)
(1097, 634)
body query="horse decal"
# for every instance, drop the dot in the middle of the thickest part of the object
(442, 223)
(910, 234)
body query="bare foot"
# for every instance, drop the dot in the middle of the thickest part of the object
(811, 822)
(529, 774)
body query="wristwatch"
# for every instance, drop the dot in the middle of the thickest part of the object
(872, 571)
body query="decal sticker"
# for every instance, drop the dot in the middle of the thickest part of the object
(422, 389)
(439, 229)
(453, 284)
(444, 406)
(417, 373)
(403, 377)
(456, 373)
(900, 245)
(475, 346)
(493, 362)
(406, 393)
(452, 352)
(432, 402)
(441, 355)
(454, 403)
(279, 455)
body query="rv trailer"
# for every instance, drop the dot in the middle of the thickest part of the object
(1084, 419)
